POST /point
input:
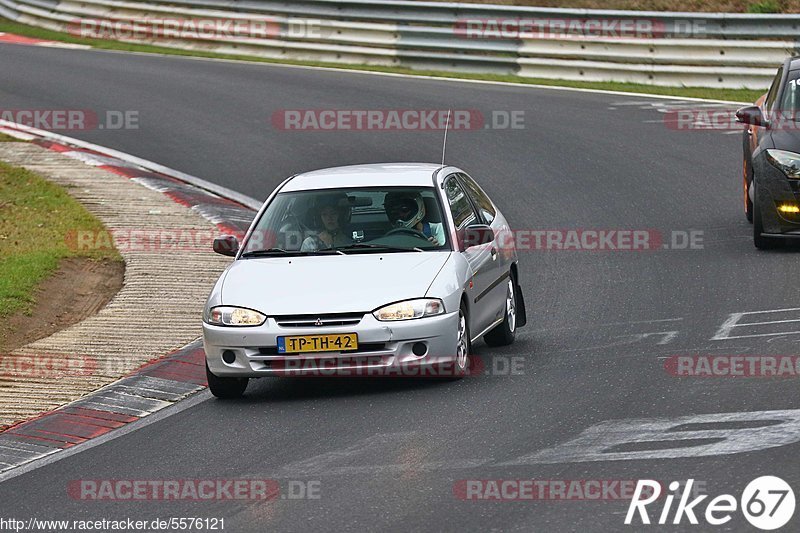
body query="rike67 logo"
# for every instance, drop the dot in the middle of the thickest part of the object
(767, 503)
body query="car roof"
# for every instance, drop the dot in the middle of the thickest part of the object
(375, 175)
(793, 63)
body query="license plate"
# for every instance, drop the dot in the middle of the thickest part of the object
(318, 343)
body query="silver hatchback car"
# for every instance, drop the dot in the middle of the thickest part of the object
(368, 270)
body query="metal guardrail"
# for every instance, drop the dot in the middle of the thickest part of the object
(679, 49)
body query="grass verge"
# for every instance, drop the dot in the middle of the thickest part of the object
(36, 218)
(7, 138)
(734, 95)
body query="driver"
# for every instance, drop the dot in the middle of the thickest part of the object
(331, 217)
(406, 209)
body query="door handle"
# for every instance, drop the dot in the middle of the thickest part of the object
(494, 254)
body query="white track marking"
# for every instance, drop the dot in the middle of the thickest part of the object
(68, 46)
(670, 438)
(724, 330)
(354, 459)
(761, 335)
(768, 322)
(605, 325)
(700, 124)
(17, 134)
(325, 461)
(781, 338)
(200, 183)
(733, 321)
(640, 103)
(668, 336)
(628, 339)
(586, 447)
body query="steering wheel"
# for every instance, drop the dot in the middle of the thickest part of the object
(407, 231)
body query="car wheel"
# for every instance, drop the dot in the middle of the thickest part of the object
(748, 179)
(463, 345)
(504, 333)
(761, 242)
(225, 388)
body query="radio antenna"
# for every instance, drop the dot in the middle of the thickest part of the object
(444, 144)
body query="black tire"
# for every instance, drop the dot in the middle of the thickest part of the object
(748, 180)
(761, 242)
(505, 332)
(225, 388)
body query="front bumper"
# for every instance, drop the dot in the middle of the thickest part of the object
(385, 348)
(773, 189)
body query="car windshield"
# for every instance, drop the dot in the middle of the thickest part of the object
(349, 221)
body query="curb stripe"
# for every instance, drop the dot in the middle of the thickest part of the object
(157, 384)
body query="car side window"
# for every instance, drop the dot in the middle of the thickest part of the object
(773, 90)
(791, 96)
(458, 203)
(479, 198)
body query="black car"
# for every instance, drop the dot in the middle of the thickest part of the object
(771, 165)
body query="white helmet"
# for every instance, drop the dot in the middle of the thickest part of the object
(404, 208)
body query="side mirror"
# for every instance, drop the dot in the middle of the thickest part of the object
(752, 115)
(226, 245)
(478, 234)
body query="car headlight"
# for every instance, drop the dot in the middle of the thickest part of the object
(786, 162)
(234, 316)
(410, 309)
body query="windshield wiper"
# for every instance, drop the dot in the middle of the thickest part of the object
(383, 247)
(271, 252)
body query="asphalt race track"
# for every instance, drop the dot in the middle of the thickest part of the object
(393, 454)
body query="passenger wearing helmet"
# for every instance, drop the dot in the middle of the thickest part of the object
(332, 214)
(406, 209)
